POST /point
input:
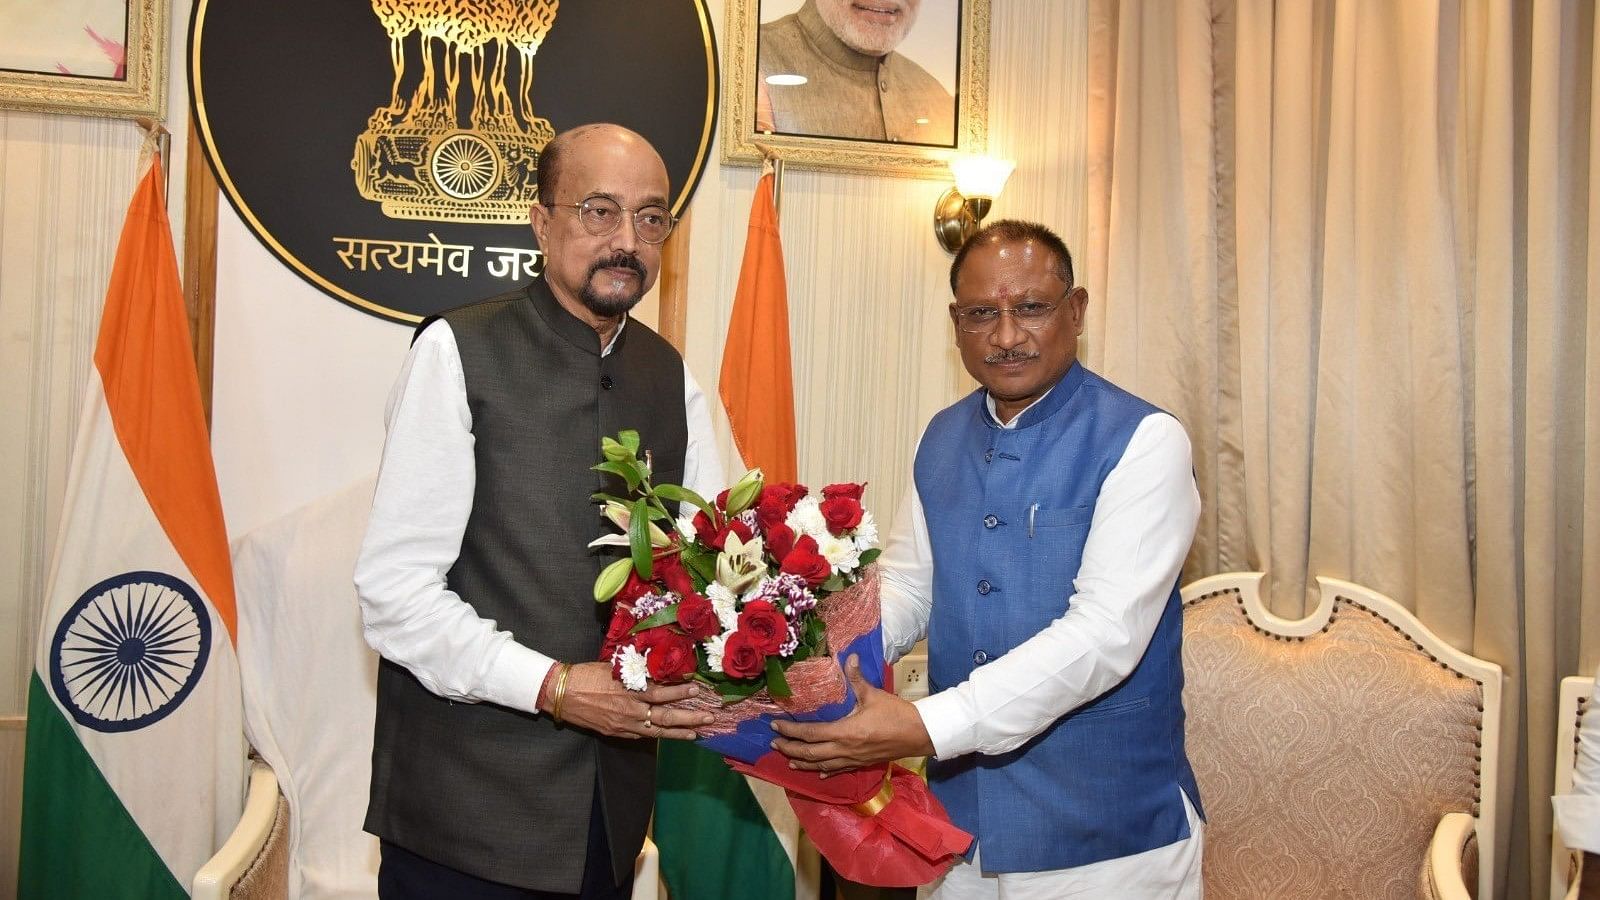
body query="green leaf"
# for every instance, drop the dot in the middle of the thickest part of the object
(627, 471)
(734, 691)
(603, 497)
(834, 583)
(611, 580)
(673, 493)
(870, 556)
(630, 439)
(668, 616)
(700, 564)
(657, 514)
(777, 683)
(639, 540)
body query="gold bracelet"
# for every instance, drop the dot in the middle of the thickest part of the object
(560, 691)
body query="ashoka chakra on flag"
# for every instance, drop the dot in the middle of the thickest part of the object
(129, 651)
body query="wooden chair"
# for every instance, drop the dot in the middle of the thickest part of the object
(1351, 753)
(253, 864)
(1565, 864)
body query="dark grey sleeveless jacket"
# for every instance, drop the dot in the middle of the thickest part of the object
(488, 790)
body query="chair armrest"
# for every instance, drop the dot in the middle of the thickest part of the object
(216, 878)
(1443, 877)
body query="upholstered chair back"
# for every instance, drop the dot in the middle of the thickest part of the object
(1328, 750)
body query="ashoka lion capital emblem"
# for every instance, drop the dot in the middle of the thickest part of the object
(414, 156)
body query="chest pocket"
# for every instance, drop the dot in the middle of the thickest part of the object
(1054, 551)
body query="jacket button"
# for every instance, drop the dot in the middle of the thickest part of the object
(991, 520)
(988, 455)
(984, 587)
(980, 657)
(606, 382)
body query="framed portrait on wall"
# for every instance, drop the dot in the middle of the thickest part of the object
(892, 87)
(86, 57)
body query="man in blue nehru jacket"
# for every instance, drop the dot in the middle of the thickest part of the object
(1038, 551)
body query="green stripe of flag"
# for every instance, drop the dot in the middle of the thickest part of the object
(716, 842)
(67, 805)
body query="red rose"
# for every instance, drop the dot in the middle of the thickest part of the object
(672, 573)
(767, 627)
(780, 540)
(622, 621)
(649, 638)
(704, 527)
(805, 561)
(841, 514)
(721, 503)
(734, 526)
(697, 618)
(634, 588)
(741, 658)
(777, 501)
(671, 658)
(852, 491)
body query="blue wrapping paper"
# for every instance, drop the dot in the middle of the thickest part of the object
(753, 738)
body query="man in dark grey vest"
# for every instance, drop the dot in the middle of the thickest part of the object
(506, 762)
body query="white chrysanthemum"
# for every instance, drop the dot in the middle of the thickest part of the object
(724, 604)
(866, 533)
(714, 649)
(635, 668)
(840, 552)
(807, 519)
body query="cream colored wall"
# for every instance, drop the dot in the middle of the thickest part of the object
(301, 380)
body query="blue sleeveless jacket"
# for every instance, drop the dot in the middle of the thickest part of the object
(1103, 781)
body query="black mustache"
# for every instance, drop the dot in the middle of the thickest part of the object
(619, 261)
(1000, 356)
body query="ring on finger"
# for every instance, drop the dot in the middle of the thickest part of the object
(647, 711)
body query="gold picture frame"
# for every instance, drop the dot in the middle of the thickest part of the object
(742, 143)
(140, 91)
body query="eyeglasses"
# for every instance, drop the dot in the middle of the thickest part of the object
(602, 215)
(1030, 314)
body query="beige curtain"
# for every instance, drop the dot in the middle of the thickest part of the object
(1355, 247)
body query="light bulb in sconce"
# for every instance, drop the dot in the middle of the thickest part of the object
(960, 210)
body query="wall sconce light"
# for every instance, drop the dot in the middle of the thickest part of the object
(960, 210)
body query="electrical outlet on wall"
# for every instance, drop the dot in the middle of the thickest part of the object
(911, 676)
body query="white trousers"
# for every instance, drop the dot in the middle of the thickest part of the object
(1165, 873)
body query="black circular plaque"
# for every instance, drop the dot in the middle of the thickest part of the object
(385, 149)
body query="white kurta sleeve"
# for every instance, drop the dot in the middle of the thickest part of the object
(1578, 813)
(419, 516)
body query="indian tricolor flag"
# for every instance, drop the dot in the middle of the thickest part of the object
(135, 764)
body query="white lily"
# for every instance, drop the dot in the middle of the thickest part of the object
(621, 516)
(740, 563)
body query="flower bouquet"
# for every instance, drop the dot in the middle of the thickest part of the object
(757, 598)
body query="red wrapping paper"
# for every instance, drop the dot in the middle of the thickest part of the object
(907, 843)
